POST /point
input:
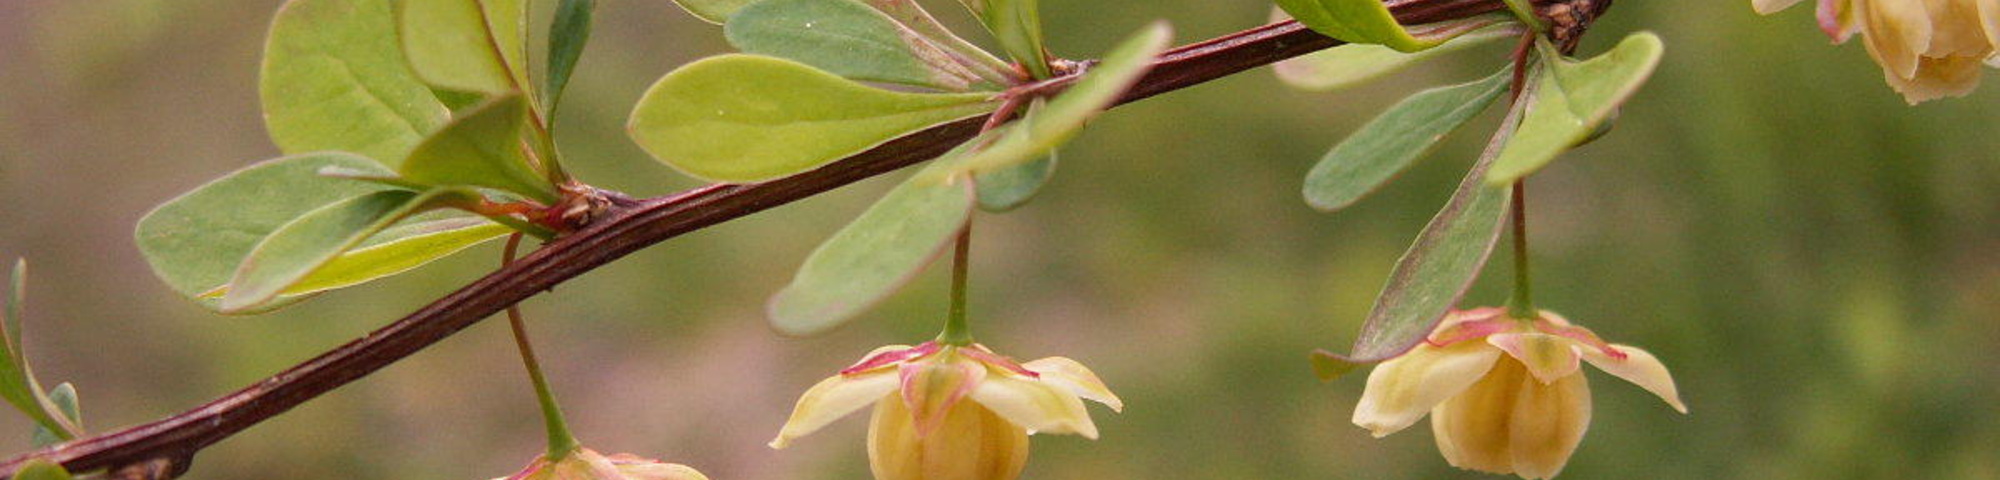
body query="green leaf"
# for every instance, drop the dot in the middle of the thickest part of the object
(1017, 25)
(1049, 126)
(713, 11)
(1353, 64)
(913, 16)
(852, 40)
(567, 36)
(195, 242)
(1356, 21)
(482, 148)
(399, 249)
(17, 379)
(334, 79)
(878, 253)
(1571, 99)
(65, 401)
(294, 251)
(1009, 188)
(41, 469)
(1384, 147)
(746, 118)
(1437, 269)
(467, 45)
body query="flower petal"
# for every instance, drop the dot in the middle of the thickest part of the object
(1069, 374)
(1546, 425)
(1939, 78)
(1989, 15)
(831, 399)
(972, 444)
(1037, 406)
(1401, 390)
(1549, 357)
(931, 389)
(1767, 7)
(1473, 428)
(1898, 32)
(1642, 369)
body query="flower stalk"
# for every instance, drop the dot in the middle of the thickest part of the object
(956, 332)
(561, 441)
(1521, 304)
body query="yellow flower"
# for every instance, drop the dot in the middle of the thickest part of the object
(925, 429)
(585, 464)
(1504, 395)
(1928, 49)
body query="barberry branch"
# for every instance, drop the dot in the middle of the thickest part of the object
(168, 445)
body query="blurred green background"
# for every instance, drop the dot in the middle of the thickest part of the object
(1817, 262)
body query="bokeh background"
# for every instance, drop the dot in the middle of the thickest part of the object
(1818, 262)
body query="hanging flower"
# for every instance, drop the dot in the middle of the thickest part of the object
(1928, 49)
(925, 428)
(1504, 395)
(585, 464)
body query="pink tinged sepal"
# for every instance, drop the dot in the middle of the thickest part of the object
(1548, 357)
(1470, 330)
(1837, 19)
(891, 355)
(1037, 406)
(1641, 368)
(931, 389)
(1553, 324)
(1400, 391)
(585, 464)
(980, 353)
(1072, 375)
(1767, 7)
(832, 399)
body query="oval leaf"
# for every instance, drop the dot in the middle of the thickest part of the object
(1009, 188)
(1390, 143)
(1046, 127)
(1353, 64)
(17, 379)
(295, 250)
(333, 78)
(63, 398)
(483, 148)
(712, 11)
(195, 242)
(872, 257)
(41, 469)
(568, 33)
(1356, 21)
(746, 118)
(1435, 272)
(399, 249)
(913, 16)
(466, 45)
(852, 40)
(1571, 100)
(1017, 25)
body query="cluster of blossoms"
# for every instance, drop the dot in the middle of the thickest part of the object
(1505, 395)
(1928, 49)
(952, 412)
